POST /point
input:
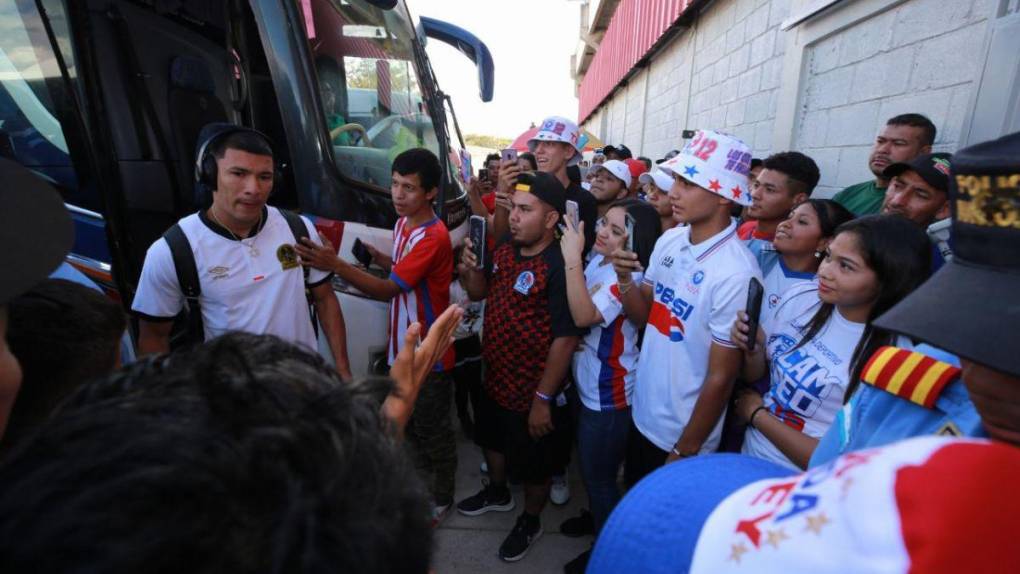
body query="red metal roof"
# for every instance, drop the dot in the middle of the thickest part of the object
(636, 26)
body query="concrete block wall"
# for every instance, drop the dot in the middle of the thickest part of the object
(921, 56)
(725, 72)
(737, 66)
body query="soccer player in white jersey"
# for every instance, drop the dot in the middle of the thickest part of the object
(248, 272)
(696, 281)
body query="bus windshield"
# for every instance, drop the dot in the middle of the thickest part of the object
(370, 93)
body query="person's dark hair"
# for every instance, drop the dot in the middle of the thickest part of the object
(492, 157)
(899, 253)
(530, 158)
(574, 173)
(244, 140)
(63, 334)
(830, 215)
(916, 121)
(647, 227)
(422, 162)
(245, 455)
(647, 162)
(801, 170)
(755, 162)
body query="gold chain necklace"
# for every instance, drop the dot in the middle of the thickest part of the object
(252, 249)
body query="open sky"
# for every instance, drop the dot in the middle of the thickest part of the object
(531, 42)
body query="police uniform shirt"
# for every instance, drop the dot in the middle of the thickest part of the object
(696, 293)
(874, 416)
(255, 284)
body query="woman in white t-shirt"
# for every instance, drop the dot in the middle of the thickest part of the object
(605, 362)
(800, 240)
(821, 335)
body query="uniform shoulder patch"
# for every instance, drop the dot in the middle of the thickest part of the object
(909, 375)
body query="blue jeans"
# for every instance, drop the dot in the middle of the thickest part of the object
(601, 448)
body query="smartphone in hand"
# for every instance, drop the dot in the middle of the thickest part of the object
(361, 253)
(483, 174)
(509, 154)
(755, 293)
(630, 232)
(573, 213)
(477, 235)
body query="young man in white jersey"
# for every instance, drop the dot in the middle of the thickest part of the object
(418, 288)
(697, 273)
(249, 276)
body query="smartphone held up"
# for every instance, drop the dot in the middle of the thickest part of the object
(755, 293)
(476, 233)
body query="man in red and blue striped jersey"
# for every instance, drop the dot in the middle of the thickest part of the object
(418, 288)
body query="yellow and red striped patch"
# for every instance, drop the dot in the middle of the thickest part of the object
(909, 375)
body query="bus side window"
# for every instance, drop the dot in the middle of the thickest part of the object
(34, 100)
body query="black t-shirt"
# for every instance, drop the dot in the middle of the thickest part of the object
(525, 310)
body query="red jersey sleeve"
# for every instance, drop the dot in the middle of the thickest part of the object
(414, 266)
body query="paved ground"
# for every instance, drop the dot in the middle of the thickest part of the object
(469, 544)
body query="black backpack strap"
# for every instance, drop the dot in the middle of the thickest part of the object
(298, 228)
(187, 277)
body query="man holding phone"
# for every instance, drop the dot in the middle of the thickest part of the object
(696, 281)
(418, 288)
(555, 149)
(530, 337)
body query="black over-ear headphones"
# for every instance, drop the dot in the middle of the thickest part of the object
(205, 161)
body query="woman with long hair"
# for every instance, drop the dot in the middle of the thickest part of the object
(800, 240)
(816, 342)
(604, 365)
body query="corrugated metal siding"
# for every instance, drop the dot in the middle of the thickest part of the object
(636, 26)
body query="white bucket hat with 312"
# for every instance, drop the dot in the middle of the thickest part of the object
(717, 162)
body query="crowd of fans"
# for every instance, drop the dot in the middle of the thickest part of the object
(638, 314)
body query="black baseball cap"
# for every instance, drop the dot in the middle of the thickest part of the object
(669, 155)
(620, 150)
(933, 168)
(971, 306)
(544, 186)
(35, 230)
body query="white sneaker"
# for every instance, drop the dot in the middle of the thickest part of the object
(559, 494)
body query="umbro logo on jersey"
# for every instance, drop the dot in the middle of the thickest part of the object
(219, 272)
(667, 261)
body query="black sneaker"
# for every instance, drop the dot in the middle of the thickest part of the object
(578, 526)
(578, 565)
(520, 539)
(488, 498)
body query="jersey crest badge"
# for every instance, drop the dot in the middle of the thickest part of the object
(909, 375)
(525, 281)
(287, 256)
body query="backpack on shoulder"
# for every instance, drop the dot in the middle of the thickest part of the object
(192, 329)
